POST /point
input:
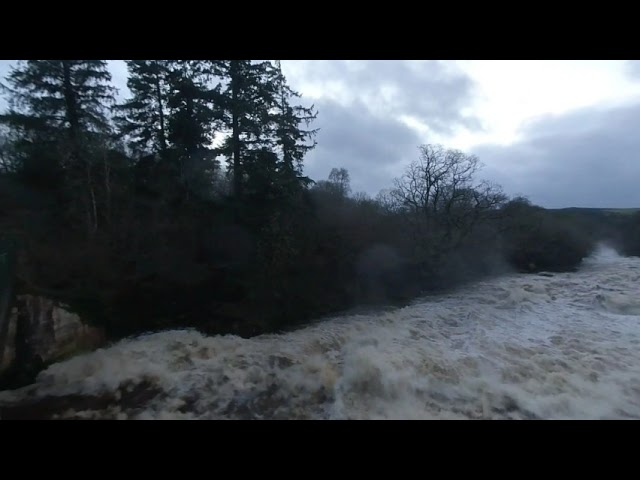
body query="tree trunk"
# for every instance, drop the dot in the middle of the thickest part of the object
(7, 267)
(237, 167)
(71, 107)
(163, 136)
(93, 215)
(107, 185)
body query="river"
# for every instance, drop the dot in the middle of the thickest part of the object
(538, 346)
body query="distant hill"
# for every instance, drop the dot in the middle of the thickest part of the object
(597, 211)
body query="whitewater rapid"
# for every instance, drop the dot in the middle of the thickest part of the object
(543, 346)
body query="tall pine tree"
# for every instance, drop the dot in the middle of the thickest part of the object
(59, 95)
(143, 117)
(293, 137)
(192, 121)
(192, 124)
(170, 122)
(58, 115)
(246, 96)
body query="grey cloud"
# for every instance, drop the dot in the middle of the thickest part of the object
(432, 91)
(633, 69)
(5, 67)
(587, 158)
(118, 71)
(373, 149)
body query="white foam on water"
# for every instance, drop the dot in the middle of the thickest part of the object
(553, 346)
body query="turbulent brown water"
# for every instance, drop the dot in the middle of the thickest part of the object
(550, 346)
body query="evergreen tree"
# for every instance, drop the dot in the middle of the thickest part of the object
(193, 121)
(58, 116)
(290, 135)
(58, 95)
(172, 113)
(246, 97)
(193, 113)
(57, 100)
(143, 118)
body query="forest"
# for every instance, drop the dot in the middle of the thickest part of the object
(187, 206)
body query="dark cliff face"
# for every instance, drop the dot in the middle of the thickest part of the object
(39, 332)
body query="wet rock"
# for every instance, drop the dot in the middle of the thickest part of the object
(42, 331)
(131, 397)
(9, 351)
(279, 361)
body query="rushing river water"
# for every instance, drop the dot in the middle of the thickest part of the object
(549, 346)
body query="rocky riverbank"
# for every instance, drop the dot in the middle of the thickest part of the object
(41, 331)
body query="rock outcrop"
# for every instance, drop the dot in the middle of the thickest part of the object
(42, 331)
(9, 347)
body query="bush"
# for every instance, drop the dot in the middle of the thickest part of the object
(536, 240)
(631, 235)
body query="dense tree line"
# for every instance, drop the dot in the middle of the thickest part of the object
(187, 204)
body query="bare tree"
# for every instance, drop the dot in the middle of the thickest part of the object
(439, 195)
(388, 201)
(436, 181)
(338, 185)
(339, 177)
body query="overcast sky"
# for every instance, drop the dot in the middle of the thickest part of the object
(563, 133)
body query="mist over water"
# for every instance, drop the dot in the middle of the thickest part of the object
(552, 346)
